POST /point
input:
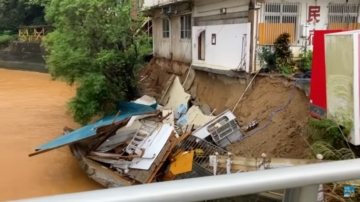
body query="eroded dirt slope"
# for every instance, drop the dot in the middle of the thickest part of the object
(282, 138)
(152, 79)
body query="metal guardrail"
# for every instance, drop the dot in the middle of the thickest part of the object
(223, 186)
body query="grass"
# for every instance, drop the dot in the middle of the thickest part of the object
(330, 140)
(6, 39)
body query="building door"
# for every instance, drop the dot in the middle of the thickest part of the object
(201, 46)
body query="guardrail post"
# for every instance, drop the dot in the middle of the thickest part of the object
(302, 194)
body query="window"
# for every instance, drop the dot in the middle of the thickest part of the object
(185, 22)
(281, 12)
(166, 28)
(278, 18)
(343, 16)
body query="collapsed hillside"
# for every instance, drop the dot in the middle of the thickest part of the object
(281, 138)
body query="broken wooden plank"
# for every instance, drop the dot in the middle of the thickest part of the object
(107, 134)
(166, 89)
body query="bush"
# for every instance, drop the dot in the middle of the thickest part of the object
(306, 60)
(6, 39)
(267, 55)
(328, 131)
(283, 53)
(330, 140)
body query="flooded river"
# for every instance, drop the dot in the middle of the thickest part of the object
(32, 112)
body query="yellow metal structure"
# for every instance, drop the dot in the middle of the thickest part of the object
(182, 162)
(34, 33)
(23, 34)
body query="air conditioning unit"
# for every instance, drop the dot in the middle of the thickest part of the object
(223, 130)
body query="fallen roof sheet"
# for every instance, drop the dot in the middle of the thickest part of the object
(176, 95)
(127, 109)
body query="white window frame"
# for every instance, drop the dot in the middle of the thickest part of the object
(165, 28)
(185, 26)
(344, 15)
(283, 14)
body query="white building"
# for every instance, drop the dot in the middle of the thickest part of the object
(300, 18)
(171, 25)
(224, 36)
(221, 36)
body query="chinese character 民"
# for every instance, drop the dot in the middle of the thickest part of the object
(311, 37)
(314, 13)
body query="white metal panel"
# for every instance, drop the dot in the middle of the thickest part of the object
(153, 146)
(342, 80)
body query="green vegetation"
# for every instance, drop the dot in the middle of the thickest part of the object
(284, 54)
(330, 139)
(6, 38)
(306, 60)
(328, 131)
(15, 13)
(97, 48)
(278, 58)
(267, 55)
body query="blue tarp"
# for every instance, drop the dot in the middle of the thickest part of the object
(127, 109)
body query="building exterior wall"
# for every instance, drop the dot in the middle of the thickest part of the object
(223, 47)
(209, 12)
(228, 21)
(310, 15)
(172, 47)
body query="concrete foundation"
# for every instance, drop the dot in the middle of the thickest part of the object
(27, 56)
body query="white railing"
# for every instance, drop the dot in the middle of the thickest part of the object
(223, 186)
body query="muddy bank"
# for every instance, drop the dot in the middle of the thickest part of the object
(218, 91)
(282, 138)
(33, 111)
(153, 78)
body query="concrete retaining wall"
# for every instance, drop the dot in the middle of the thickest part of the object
(23, 56)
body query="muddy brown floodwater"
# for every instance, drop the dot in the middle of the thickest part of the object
(32, 112)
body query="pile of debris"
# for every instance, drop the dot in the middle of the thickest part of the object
(146, 142)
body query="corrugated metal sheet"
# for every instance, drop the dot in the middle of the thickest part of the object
(127, 109)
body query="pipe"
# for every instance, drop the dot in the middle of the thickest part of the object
(221, 186)
(276, 110)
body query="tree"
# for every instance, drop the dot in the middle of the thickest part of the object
(15, 13)
(95, 48)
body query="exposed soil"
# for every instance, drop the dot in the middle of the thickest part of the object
(218, 91)
(154, 76)
(153, 79)
(282, 138)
